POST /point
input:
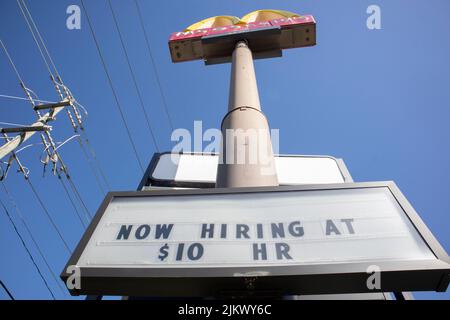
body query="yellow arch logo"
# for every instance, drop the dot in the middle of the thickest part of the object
(255, 16)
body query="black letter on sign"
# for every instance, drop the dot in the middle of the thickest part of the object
(277, 230)
(206, 230)
(331, 227)
(223, 231)
(142, 235)
(259, 251)
(348, 223)
(124, 232)
(295, 229)
(190, 252)
(259, 230)
(163, 231)
(282, 250)
(180, 252)
(242, 230)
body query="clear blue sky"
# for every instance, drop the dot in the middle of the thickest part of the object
(377, 98)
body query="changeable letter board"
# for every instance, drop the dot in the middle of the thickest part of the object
(298, 233)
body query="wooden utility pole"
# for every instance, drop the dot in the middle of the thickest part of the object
(15, 142)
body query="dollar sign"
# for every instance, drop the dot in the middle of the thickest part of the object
(163, 252)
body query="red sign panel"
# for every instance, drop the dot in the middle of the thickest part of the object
(182, 35)
(294, 32)
(292, 21)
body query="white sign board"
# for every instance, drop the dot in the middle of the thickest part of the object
(292, 239)
(219, 230)
(202, 168)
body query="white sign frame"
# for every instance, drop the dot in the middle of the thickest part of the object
(411, 275)
(199, 168)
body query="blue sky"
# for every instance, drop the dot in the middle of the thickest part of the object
(377, 98)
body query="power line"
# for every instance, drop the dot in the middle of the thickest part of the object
(27, 178)
(86, 138)
(65, 170)
(75, 128)
(21, 98)
(90, 165)
(42, 120)
(7, 290)
(33, 34)
(72, 202)
(27, 228)
(112, 86)
(94, 156)
(77, 194)
(12, 124)
(44, 46)
(70, 97)
(11, 61)
(133, 76)
(155, 69)
(48, 214)
(29, 182)
(26, 249)
(41, 39)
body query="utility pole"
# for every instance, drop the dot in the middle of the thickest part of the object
(15, 142)
(246, 158)
(29, 131)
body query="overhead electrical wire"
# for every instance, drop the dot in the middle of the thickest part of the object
(141, 102)
(11, 61)
(38, 100)
(93, 155)
(72, 202)
(153, 64)
(27, 228)
(86, 156)
(26, 249)
(27, 178)
(35, 32)
(22, 98)
(116, 98)
(86, 140)
(48, 214)
(77, 194)
(12, 124)
(41, 39)
(72, 185)
(83, 148)
(49, 61)
(7, 290)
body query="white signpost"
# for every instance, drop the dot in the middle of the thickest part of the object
(283, 232)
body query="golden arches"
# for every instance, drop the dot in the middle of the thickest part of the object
(255, 16)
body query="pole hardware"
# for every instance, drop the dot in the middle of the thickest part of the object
(63, 103)
(25, 129)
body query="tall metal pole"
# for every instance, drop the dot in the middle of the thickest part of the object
(246, 158)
